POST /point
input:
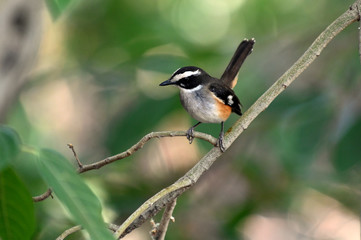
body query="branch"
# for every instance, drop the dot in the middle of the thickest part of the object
(80, 165)
(77, 228)
(165, 196)
(158, 233)
(84, 168)
(69, 231)
(43, 196)
(141, 143)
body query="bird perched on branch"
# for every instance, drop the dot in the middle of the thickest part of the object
(208, 99)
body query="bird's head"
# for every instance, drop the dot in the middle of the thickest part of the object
(186, 77)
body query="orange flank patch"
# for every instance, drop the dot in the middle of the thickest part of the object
(223, 110)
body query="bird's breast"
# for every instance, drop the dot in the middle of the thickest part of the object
(203, 107)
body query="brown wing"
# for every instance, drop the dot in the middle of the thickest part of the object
(229, 76)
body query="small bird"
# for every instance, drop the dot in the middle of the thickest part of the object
(208, 99)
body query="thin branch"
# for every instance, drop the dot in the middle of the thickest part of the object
(80, 165)
(43, 196)
(69, 231)
(165, 196)
(154, 227)
(84, 168)
(141, 143)
(160, 230)
(77, 228)
(156, 203)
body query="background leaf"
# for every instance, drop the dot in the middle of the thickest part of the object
(17, 220)
(9, 145)
(74, 194)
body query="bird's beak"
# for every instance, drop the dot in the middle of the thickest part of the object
(165, 83)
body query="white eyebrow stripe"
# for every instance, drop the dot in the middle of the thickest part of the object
(185, 74)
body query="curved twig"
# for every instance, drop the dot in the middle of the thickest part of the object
(165, 196)
(77, 228)
(43, 196)
(84, 168)
(68, 232)
(141, 143)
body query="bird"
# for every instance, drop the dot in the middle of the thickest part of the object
(208, 99)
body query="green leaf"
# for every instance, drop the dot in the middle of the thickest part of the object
(9, 145)
(73, 193)
(57, 7)
(17, 220)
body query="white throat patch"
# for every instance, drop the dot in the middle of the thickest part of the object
(192, 89)
(186, 74)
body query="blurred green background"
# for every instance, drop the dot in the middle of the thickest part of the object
(294, 174)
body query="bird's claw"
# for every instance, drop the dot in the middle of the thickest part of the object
(190, 135)
(220, 143)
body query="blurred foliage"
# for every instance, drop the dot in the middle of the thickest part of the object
(17, 218)
(347, 151)
(9, 145)
(57, 7)
(73, 193)
(96, 86)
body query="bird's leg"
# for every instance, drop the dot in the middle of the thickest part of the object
(190, 135)
(220, 139)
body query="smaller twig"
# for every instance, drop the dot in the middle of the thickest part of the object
(43, 196)
(130, 151)
(159, 230)
(141, 143)
(77, 228)
(69, 231)
(71, 146)
(154, 227)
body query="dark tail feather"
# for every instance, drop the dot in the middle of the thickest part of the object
(245, 48)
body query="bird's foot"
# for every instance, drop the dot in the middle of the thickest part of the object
(190, 135)
(220, 143)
